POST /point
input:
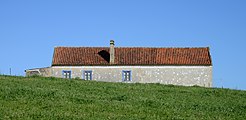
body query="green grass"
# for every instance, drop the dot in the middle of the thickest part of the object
(54, 98)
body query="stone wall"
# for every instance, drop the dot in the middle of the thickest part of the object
(39, 71)
(177, 75)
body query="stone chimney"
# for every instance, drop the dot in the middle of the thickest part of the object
(111, 52)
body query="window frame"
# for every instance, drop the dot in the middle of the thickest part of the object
(87, 71)
(123, 75)
(65, 76)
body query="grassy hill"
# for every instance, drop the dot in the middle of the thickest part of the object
(53, 98)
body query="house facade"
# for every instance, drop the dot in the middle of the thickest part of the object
(177, 66)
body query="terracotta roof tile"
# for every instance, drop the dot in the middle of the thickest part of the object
(76, 56)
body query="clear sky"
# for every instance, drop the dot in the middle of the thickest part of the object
(30, 29)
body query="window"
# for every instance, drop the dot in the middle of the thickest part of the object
(126, 75)
(87, 75)
(66, 74)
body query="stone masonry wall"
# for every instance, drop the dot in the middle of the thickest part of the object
(177, 75)
(39, 71)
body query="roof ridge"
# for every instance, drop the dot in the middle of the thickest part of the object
(77, 47)
(129, 47)
(162, 47)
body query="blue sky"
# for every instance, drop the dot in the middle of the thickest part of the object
(29, 30)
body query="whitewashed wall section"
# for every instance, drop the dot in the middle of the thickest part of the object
(177, 75)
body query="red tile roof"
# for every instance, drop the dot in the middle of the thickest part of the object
(84, 56)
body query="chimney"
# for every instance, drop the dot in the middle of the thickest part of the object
(111, 50)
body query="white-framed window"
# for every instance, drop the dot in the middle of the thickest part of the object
(87, 75)
(126, 75)
(66, 74)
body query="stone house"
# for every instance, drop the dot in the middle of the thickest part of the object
(178, 66)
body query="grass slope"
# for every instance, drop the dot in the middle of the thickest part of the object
(53, 98)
